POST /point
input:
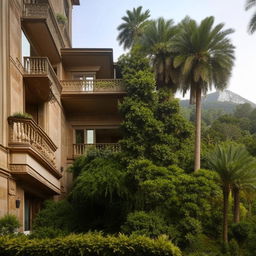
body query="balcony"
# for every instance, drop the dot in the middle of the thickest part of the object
(100, 86)
(33, 155)
(40, 25)
(40, 80)
(95, 98)
(82, 149)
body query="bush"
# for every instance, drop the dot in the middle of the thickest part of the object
(21, 115)
(240, 231)
(55, 216)
(88, 245)
(48, 232)
(62, 19)
(149, 224)
(8, 224)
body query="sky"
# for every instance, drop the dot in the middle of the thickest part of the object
(95, 25)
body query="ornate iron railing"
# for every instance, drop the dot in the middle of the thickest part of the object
(25, 132)
(97, 85)
(81, 149)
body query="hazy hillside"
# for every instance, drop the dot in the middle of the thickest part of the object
(214, 105)
(226, 101)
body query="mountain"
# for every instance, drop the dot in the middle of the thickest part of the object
(226, 100)
(226, 96)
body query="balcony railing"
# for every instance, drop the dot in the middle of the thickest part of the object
(24, 132)
(81, 149)
(90, 86)
(36, 66)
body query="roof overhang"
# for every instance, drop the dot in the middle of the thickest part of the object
(89, 59)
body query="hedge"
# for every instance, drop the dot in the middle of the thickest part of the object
(90, 244)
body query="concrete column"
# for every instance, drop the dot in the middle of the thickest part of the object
(4, 70)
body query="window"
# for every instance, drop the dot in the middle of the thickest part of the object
(84, 136)
(25, 47)
(89, 136)
(79, 136)
(88, 79)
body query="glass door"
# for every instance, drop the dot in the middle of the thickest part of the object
(88, 81)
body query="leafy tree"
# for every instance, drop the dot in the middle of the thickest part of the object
(133, 27)
(99, 193)
(243, 110)
(148, 224)
(205, 56)
(153, 127)
(235, 167)
(252, 24)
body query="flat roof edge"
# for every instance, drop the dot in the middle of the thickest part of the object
(87, 50)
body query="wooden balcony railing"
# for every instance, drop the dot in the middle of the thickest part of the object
(25, 133)
(36, 66)
(89, 86)
(42, 9)
(81, 149)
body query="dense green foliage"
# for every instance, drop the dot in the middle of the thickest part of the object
(8, 224)
(55, 219)
(148, 188)
(153, 127)
(88, 245)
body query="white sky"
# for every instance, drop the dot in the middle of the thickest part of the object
(95, 23)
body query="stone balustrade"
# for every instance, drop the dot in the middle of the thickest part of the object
(97, 85)
(25, 133)
(36, 66)
(82, 149)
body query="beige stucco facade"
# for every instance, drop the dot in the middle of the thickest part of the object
(71, 95)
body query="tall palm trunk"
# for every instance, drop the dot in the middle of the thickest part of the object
(198, 129)
(225, 213)
(236, 193)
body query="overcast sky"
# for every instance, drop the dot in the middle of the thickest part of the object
(95, 23)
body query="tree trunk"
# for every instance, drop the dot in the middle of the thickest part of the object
(249, 209)
(236, 193)
(198, 129)
(225, 213)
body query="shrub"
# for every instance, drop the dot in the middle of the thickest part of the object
(62, 19)
(54, 216)
(21, 115)
(8, 224)
(240, 231)
(88, 245)
(148, 224)
(48, 232)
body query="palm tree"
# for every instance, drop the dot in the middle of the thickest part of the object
(156, 42)
(206, 56)
(246, 182)
(249, 194)
(236, 168)
(252, 24)
(133, 26)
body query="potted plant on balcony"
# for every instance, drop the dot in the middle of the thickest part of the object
(62, 19)
(22, 115)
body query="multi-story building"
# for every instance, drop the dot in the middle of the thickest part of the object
(71, 94)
